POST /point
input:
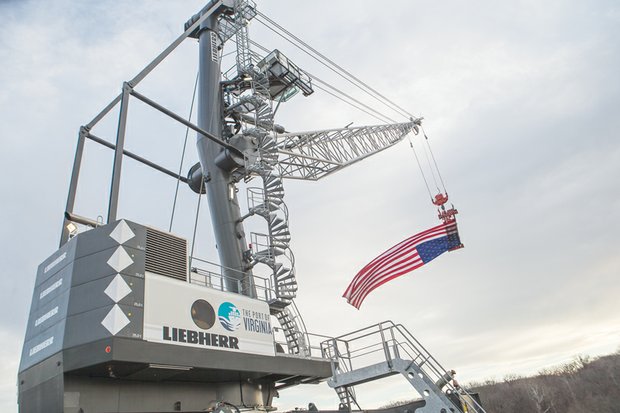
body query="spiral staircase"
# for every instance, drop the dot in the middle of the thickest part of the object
(271, 248)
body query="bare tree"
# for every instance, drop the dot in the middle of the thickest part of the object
(583, 385)
(538, 395)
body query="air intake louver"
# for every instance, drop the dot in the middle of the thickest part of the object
(166, 254)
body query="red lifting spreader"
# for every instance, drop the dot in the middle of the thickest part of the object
(440, 199)
(446, 215)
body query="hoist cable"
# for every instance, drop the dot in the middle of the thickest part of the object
(191, 255)
(381, 117)
(176, 191)
(434, 161)
(364, 87)
(352, 98)
(263, 48)
(402, 111)
(430, 166)
(349, 103)
(421, 170)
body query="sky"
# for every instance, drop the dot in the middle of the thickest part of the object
(520, 102)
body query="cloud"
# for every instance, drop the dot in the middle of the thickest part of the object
(520, 103)
(8, 371)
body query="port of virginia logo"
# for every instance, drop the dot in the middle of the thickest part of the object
(229, 316)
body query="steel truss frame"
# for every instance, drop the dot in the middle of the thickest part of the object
(119, 149)
(314, 155)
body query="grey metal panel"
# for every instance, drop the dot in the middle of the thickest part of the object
(95, 266)
(49, 303)
(87, 327)
(41, 372)
(42, 346)
(56, 262)
(47, 315)
(46, 397)
(147, 352)
(92, 295)
(114, 395)
(95, 395)
(51, 289)
(87, 357)
(99, 239)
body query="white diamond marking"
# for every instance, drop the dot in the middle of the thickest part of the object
(120, 260)
(122, 233)
(118, 289)
(116, 320)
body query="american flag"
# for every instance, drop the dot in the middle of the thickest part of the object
(402, 258)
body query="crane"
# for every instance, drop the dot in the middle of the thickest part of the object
(266, 151)
(121, 303)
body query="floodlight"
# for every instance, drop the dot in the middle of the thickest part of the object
(72, 229)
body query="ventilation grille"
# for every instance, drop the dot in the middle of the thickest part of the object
(166, 254)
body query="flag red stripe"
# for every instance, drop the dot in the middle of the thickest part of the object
(406, 266)
(358, 302)
(396, 261)
(361, 278)
(412, 241)
(401, 244)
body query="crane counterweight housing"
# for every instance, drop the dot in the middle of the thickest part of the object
(114, 322)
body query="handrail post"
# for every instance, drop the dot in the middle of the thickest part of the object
(346, 344)
(394, 343)
(386, 349)
(334, 358)
(118, 153)
(75, 175)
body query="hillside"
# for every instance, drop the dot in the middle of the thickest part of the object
(582, 386)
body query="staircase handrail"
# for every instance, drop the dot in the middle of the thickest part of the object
(394, 338)
(302, 325)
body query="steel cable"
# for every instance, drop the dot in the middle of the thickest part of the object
(379, 116)
(434, 161)
(360, 84)
(176, 192)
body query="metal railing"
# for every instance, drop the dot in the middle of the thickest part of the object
(313, 344)
(213, 278)
(386, 342)
(210, 275)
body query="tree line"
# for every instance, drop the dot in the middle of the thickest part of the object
(584, 385)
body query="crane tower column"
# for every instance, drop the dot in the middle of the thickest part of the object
(220, 187)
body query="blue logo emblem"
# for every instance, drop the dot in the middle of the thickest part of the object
(229, 316)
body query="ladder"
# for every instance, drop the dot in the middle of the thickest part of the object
(271, 249)
(387, 349)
